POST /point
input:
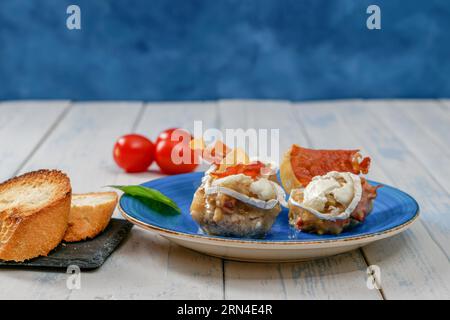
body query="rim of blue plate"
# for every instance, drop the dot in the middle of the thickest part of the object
(159, 228)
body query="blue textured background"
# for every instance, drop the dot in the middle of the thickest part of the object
(204, 49)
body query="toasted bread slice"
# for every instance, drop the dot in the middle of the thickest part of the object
(34, 214)
(287, 176)
(89, 215)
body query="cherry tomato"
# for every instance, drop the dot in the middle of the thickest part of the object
(134, 153)
(167, 134)
(172, 152)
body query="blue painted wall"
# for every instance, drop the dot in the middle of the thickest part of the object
(210, 49)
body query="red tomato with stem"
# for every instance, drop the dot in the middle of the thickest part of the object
(173, 153)
(134, 153)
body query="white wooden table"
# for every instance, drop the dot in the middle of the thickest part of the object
(408, 141)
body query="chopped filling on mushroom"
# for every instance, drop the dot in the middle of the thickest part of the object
(239, 201)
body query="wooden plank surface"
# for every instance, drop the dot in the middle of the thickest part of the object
(413, 265)
(243, 280)
(150, 266)
(419, 127)
(423, 127)
(408, 141)
(445, 104)
(146, 266)
(250, 280)
(84, 136)
(23, 127)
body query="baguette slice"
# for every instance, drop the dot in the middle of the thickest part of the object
(287, 175)
(34, 214)
(89, 215)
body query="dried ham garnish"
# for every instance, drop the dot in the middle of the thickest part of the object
(308, 163)
(364, 206)
(252, 170)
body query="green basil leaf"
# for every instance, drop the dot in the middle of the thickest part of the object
(151, 197)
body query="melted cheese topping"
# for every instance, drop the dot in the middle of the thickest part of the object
(315, 194)
(264, 189)
(268, 193)
(233, 179)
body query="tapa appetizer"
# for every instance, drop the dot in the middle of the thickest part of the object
(237, 197)
(327, 195)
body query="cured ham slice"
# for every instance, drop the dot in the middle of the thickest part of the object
(300, 164)
(252, 170)
(308, 163)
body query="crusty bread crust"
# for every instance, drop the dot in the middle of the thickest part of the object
(28, 233)
(287, 176)
(87, 221)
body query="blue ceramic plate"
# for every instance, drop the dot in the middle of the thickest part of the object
(393, 212)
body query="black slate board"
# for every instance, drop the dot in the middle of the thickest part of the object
(87, 255)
